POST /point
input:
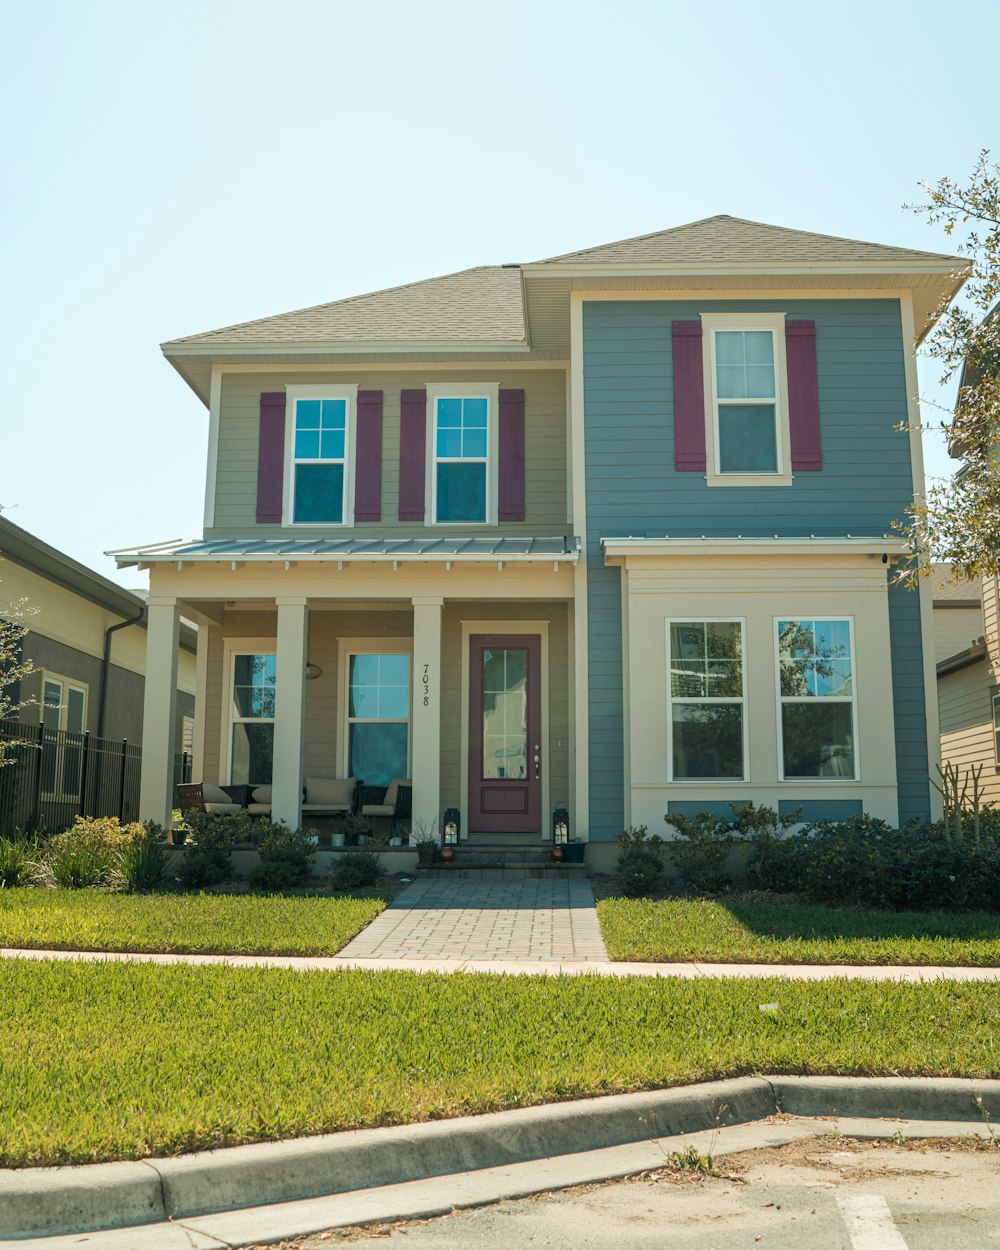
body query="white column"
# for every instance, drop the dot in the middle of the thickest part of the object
(425, 718)
(159, 711)
(206, 636)
(289, 710)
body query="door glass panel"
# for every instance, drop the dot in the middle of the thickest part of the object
(505, 713)
(51, 701)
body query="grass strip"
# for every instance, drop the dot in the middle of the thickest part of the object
(192, 924)
(669, 930)
(126, 1060)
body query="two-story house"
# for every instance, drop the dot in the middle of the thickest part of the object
(609, 532)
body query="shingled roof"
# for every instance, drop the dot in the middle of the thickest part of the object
(482, 305)
(734, 240)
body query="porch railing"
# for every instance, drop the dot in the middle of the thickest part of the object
(54, 776)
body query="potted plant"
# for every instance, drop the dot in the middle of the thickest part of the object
(426, 842)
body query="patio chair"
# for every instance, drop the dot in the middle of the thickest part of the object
(393, 802)
(202, 796)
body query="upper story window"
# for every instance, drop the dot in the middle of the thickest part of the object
(320, 423)
(746, 408)
(463, 460)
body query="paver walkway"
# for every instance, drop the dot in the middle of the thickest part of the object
(539, 918)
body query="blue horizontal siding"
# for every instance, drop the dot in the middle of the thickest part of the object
(633, 488)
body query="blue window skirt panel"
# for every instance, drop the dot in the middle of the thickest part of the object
(822, 809)
(691, 807)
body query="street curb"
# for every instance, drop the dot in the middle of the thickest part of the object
(50, 1201)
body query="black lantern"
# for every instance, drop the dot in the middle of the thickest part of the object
(452, 825)
(560, 826)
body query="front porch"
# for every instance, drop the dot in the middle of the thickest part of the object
(457, 681)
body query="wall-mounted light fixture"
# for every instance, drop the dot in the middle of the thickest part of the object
(313, 671)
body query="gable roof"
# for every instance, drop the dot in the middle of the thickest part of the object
(724, 240)
(482, 305)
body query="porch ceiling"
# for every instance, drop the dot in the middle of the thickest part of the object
(364, 550)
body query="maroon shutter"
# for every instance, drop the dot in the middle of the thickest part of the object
(803, 395)
(511, 504)
(412, 454)
(368, 458)
(689, 398)
(270, 458)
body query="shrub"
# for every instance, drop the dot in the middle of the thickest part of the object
(75, 863)
(140, 865)
(764, 837)
(18, 861)
(639, 872)
(205, 859)
(286, 857)
(355, 870)
(702, 849)
(108, 831)
(638, 837)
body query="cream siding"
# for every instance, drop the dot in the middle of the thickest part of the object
(966, 710)
(955, 629)
(57, 613)
(546, 508)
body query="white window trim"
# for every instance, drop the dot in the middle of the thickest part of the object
(66, 684)
(742, 701)
(232, 648)
(490, 391)
(775, 322)
(293, 393)
(346, 647)
(994, 702)
(780, 700)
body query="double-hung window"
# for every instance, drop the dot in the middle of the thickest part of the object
(817, 701)
(378, 716)
(706, 695)
(320, 421)
(252, 718)
(746, 408)
(462, 453)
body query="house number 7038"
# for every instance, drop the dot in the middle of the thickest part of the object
(427, 685)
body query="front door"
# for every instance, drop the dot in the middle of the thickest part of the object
(505, 739)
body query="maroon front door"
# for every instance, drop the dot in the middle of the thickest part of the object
(505, 738)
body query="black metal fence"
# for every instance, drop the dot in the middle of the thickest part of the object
(55, 776)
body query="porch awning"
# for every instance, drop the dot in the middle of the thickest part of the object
(618, 549)
(480, 549)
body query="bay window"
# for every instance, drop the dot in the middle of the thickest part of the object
(706, 695)
(817, 700)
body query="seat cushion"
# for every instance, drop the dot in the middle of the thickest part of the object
(377, 809)
(215, 794)
(330, 792)
(338, 808)
(262, 794)
(259, 809)
(393, 791)
(222, 809)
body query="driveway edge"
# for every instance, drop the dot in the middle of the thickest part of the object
(50, 1201)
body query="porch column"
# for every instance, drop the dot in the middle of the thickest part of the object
(159, 711)
(289, 710)
(207, 634)
(426, 714)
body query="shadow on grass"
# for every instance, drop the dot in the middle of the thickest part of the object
(783, 921)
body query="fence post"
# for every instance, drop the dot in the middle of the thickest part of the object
(121, 782)
(84, 763)
(37, 813)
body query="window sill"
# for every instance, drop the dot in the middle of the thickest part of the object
(749, 479)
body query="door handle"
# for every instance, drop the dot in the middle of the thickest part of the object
(538, 760)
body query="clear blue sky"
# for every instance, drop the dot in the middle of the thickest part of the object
(169, 169)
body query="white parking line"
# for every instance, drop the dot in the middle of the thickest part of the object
(869, 1221)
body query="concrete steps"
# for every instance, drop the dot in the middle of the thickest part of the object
(503, 862)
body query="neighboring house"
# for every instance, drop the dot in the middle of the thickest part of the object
(545, 535)
(87, 642)
(968, 693)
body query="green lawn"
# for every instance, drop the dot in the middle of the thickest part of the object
(669, 930)
(231, 924)
(125, 1060)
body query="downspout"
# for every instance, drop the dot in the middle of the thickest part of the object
(106, 666)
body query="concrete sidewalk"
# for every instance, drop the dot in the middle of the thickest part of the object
(536, 967)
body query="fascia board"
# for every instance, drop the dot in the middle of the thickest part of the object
(617, 549)
(221, 346)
